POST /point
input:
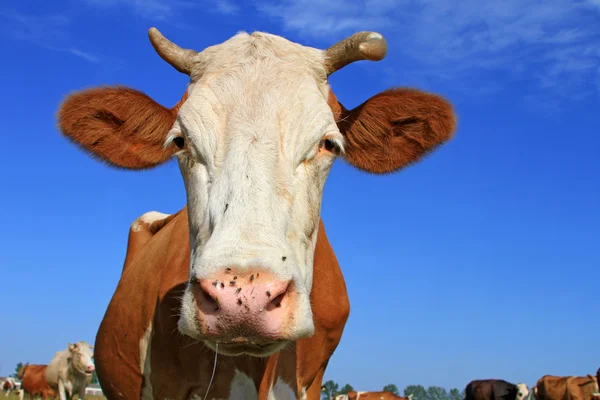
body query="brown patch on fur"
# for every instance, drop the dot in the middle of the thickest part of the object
(334, 104)
(121, 126)
(394, 128)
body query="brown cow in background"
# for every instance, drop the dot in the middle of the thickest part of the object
(353, 395)
(567, 387)
(33, 382)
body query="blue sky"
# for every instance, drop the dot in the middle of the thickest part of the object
(492, 241)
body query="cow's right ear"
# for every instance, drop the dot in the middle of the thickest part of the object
(120, 126)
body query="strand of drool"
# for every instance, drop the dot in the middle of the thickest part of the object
(214, 369)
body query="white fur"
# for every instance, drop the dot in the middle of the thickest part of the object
(242, 387)
(145, 363)
(147, 218)
(253, 171)
(281, 391)
(522, 391)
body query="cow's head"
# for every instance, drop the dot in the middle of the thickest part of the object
(255, 135)
(522, 391)
(80, 357)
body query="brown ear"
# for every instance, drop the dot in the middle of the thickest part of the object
(394, 128)
(118, 125)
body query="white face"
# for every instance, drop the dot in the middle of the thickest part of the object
(82, 354)
(260, 140)
(522, 391)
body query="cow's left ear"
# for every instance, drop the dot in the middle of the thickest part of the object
(394, 128)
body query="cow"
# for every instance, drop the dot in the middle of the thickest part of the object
(8, 384)
(495, 389)
(551, 387)
(33, 382)
(70, 370)
(354, 395)
(239, 293)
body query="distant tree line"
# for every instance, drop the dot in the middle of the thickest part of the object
(17, 368)
(419, 392)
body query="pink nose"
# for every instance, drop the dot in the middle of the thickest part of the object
(91, 368)
(242, 306)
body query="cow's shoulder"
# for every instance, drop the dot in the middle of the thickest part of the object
(157, 253)
(143, 229)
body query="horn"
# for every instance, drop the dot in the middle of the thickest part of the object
(181, 59)
(360, 46)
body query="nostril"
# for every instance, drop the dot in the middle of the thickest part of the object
(276, 302)
(206, 301)
(277, 298)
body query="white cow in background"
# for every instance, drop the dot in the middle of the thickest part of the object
(9, 384)
(70, 371)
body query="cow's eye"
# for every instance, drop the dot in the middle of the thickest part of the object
(329, 145)
(179, 142)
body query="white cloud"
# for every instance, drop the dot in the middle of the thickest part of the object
(555, 43)
(151, 9)
(167, 10)
(226, 7)
(324, 18)
(47, 31)
(81, 54)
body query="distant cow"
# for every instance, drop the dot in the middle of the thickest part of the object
(33, 382)
(495, 389)
(70, 371)
(354, 395)
(9, 384)
(567, 387)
